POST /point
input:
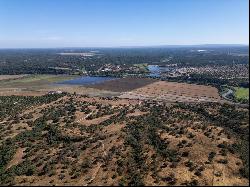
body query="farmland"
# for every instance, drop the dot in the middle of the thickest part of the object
(8, 77)
(32, 80)
(173, 91)
(129, 87)
(241, 93)
(29, 84)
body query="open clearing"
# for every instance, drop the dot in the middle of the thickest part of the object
(33, 80)
(8, 77)
(173, 91)
(29, 84)
(131, 88)
(241, 93)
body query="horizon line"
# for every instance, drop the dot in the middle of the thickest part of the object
(134, 46)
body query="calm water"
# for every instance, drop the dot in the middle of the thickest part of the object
(86, 80)
(155, 70)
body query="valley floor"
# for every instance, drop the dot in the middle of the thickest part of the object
(145, 132)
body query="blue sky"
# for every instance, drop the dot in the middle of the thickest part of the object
(99, 23)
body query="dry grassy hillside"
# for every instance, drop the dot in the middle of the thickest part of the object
(65, 139)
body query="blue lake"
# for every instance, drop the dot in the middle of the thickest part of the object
(155, 70)
(86, 80)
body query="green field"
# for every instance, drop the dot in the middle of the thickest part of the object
(142, 67)
(35, 80)
(241, 93)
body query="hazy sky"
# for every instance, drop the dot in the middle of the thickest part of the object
(93, 23)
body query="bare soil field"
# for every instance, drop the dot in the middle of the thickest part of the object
(131, 88)
(123, 84)
(8, 77)
(44, 89)
(28, 85)
(173, 91)
(81, 90)
(20, 92)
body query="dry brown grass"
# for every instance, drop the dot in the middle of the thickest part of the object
(99, 174)
(173, 91)
(8, 77)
